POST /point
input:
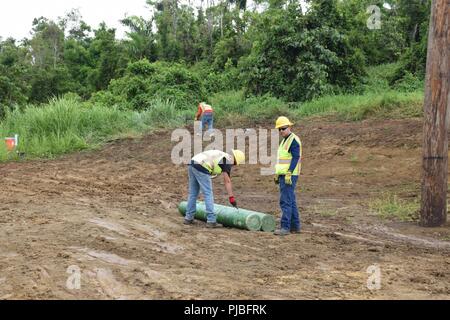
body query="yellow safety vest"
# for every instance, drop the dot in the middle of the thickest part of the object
(285, 157)
(210, 160)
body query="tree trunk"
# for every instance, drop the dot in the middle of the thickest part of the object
(436, 118)
(175, 18)
(221, 25)
(414, 34)
(55, 54)
(210, 4)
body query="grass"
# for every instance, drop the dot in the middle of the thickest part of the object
(354, 159)
(328, 213)
(325, 212)
(233, 108)
(66, 125)
(377, 100)
(387, 105)
(389, 206)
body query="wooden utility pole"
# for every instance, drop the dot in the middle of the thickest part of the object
(436, 118)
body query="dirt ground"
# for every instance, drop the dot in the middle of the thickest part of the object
(112, 213)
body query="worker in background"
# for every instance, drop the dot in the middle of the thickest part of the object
(287, 170)
(203, 167)
(206, 113)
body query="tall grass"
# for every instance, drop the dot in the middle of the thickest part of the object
(66, 125)
(388, 104)
(233, 108)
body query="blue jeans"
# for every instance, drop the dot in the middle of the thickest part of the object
(207, 119)
(290, 219)
(200, 181)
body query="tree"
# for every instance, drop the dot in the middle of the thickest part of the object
(14, 75)
(47, 43)
(142, 42)
(296, 58)
(165, 16)
(110, 62)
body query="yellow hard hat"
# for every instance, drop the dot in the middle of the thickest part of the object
(239, 157)
(282, 122)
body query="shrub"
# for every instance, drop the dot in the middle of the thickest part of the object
(145, 82)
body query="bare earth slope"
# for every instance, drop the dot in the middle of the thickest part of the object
(112, 213)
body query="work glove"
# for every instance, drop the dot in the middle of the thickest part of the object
(233, 201)
(288, 178)
(276, 179)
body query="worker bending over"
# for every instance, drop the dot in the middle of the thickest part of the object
(202, 168)
(206, 113)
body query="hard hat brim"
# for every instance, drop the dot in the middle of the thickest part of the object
(290, 124)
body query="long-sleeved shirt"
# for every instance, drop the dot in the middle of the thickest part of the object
(295, 151)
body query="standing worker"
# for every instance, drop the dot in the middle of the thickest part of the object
(287, 170)
(201, 169)
(206, 112)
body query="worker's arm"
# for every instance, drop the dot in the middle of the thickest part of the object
(199, 113)
(229, 188)
(228, 185)
(295, 151)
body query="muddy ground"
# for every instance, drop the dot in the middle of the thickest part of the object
(112, 213)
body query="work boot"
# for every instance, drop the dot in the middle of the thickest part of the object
(281, 232)
(188, 222)
(213, 225)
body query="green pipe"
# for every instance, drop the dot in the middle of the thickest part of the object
(268, 222)
(232, 217)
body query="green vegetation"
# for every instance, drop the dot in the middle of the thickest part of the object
(232, 108)
(185, 54)
(145, 82)
(71, 86)
(377, 98)
(354, 159)
(389, 104)
(67, 125)
(389, 206)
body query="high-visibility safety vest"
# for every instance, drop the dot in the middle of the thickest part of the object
(285, 157)
(210, 160)
(206, 108)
